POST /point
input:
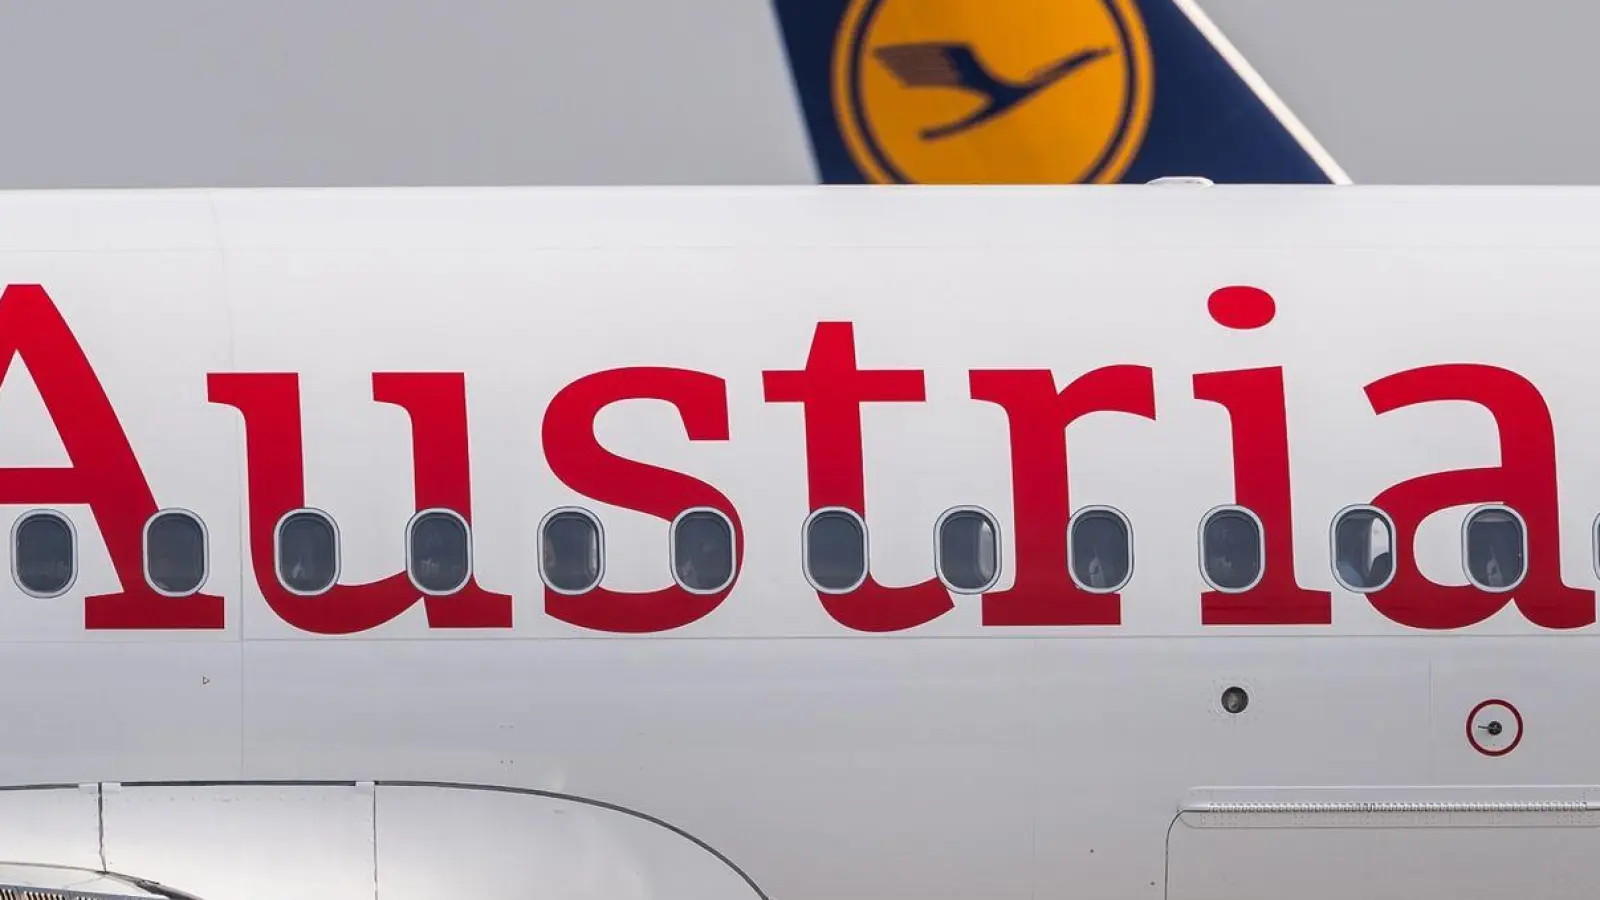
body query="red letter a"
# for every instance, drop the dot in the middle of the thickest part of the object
(831, 390)
(1525, 480)
(104, 473)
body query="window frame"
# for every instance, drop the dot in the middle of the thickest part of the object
(733, 550)
(1261, 547)
(1127, 527)
(466, 528)
(205, 550)
(1333, 547)
(938, 546)
(805, 548)
(277, 550)
(1594, 548)
(1522, 528)
(600, 548)
(72, 531)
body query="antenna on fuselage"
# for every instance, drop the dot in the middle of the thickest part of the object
(1190, 180)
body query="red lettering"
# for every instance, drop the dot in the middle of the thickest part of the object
(436, 403)
(576, 457)
(104, 473)
(831, 390)
(1255, 404)
(1043, 592)
(1525, 480)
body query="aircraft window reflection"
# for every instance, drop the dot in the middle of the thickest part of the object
(836, 550)
(175, 553)
(1100, 550)
(1363, 549)
(1497, 548)
(702, 551)
(570, 553)
(308, 552)
(43, 554)
(439, 552)
(1231, 541)
(969, 553)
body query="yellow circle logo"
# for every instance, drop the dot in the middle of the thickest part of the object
(999, 91)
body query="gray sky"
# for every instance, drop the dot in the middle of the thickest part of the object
(363, 92)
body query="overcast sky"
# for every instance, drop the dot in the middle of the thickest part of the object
(342, 92)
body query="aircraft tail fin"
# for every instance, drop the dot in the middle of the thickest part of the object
(1036, 91)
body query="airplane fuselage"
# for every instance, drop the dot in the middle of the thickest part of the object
(767, 505)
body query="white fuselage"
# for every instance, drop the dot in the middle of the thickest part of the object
(757, 355)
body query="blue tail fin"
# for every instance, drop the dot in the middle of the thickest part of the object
(1035, 91)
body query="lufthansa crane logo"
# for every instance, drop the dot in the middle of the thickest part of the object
(1003, 91)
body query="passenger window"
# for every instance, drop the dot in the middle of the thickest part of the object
(835, 550)
(438, 552)
(969, 551)
(1595, 533)
(175, 553)
(702, 551)
(1363, 549)
(44, 554)
(1231, 549)
(308, 552)
(1100, 550)
(1497, 548)
(571, 554)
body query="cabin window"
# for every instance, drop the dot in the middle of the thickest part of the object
(571, 551)
(702, 551)
(308, 552)
(175, 553)
(438, 551)
(1231, 549)
(44, 553)
(1363, 549)
(1496, 548)
(1596, 536)
(835, 550)
(1100, 549)
(969, 551)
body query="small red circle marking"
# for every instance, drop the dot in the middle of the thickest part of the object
(1473, 739)
(1241, 306)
